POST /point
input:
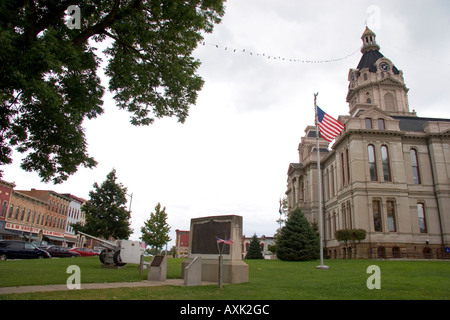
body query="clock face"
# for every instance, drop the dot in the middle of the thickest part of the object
(384, 66)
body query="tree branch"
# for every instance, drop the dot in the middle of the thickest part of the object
(100, 27)
(97, 28)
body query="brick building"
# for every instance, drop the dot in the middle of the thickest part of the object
(6, 189)
(182, 243)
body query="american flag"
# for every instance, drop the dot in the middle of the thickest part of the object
(328, 126)
(228, 241)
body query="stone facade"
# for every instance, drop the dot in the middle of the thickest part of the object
(387, 172)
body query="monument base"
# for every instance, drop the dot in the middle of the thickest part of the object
(234, 271)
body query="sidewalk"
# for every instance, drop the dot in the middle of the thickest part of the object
(87, 286)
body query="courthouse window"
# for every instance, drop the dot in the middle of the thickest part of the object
(377, 223)
(372, 163)
(422, 219)
(391, 216)
(385, 161)
(348, 165)
(415, 166)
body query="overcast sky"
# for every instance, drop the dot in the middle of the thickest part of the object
(232, 154)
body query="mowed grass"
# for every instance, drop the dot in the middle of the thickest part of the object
(268, 280)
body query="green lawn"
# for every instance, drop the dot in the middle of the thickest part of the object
(268, 279)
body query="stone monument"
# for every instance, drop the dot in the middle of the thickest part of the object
(203, 243)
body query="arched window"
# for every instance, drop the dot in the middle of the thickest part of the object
(427, 253)
(333, 190)
(390, 208)
(415, 166)
(372, 163)
(368, 122)
(385, 162)
(348, 165)
(10, 211)
(381, 252)
(4, 209)
(380, 124)
(389, 102)
(396, 253)
(422, 219)
(377, 222)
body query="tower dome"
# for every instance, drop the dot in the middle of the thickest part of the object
(376, 82)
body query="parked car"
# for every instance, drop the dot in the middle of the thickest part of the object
(61, 252)
(97, 251)
(15, 249)
(84, 252)
(41, 244)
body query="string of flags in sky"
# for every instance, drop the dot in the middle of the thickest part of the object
(275, 57)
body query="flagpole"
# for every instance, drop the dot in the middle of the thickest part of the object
(319, 183)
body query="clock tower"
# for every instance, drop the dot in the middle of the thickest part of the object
(376, 82)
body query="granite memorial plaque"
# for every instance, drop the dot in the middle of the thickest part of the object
(204, 236)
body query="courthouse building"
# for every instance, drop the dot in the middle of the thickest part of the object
(387, 172)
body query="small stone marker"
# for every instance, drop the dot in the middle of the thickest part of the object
(157, 270)
(193, 272)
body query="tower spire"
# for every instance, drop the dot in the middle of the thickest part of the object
(369, 43)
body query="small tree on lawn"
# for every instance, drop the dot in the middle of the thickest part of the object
(155, 231)
(349, 238)
(254, 249)
(297, 240)
(106, 212)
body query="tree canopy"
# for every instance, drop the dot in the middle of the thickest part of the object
(48, 72)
